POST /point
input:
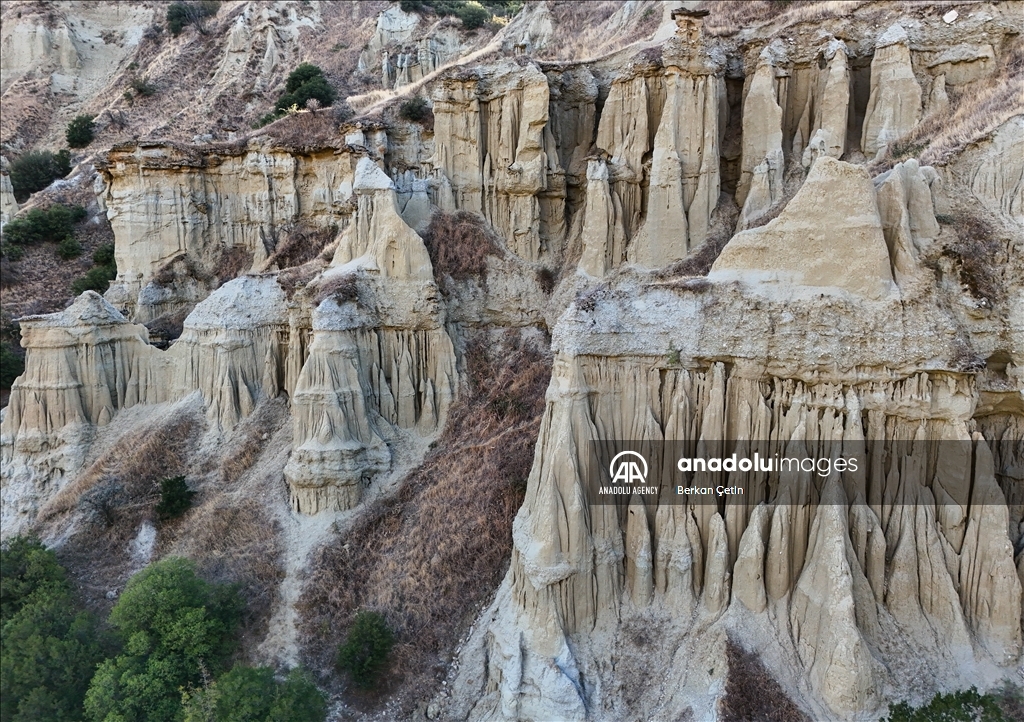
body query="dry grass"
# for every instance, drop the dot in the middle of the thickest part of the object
(307, 130)
(429, 557)
(980, 109)
(342, 288)
(254, 431)
(700, 260)
(135, 464)
(114, 496)
(751, 694)
(232, 263)
(293, 279)
(301, 244)
(978, 256)
(458, 244)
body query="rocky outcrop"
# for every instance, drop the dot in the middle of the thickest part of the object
(380, 361)
(83, 365)
(401, 51)
(894, 106)
(798, 248)
(168, 203)
(492, 147)
(997, 176)
(907, 212)
(762, 164)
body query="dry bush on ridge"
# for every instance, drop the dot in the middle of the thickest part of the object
(458, 244)
(232, 263)
(301, 245)
(977, 253)
(429, 557)
(751, 694)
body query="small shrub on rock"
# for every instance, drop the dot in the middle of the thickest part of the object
(175, 498)
(80, 131)
(364, 654)
(69, 248)
(36, 170)
(414, 109)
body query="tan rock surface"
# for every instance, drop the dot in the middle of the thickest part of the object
(803, 248)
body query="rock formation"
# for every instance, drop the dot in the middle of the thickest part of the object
(378, 363)
(851, 323)
(894, 107)
(799, 249)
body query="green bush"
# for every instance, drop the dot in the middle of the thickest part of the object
(104, 255)
(36, 170)
(80, 131)
(175, 498)
(247, 694)
(69, 248)
(176, 627)
(98, 277)
(48, 649)
(473, 16)
(182, 14)
(41, 226)
(12, 365)
(304, 83)
(364, 654)
(965, 706)
(414, 109)
(12, 252)
(143, 87)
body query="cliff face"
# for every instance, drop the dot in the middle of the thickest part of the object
(743, 237)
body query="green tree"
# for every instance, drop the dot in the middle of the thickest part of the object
(182, 14)
(364, 654)
(304, 83)
(41, 226)
(80, 131)
(302, 75)
(964, 706)
(247, 694)
(12, 365)
(48, 649)
(36, 170)
(27, 568)
(473, 15)
(175, 498)
(176, 627)
(98, 277)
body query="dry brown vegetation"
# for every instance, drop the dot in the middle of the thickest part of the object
(978, 255)
(300, 245)
(981, 108)
(234, 541)
(728, 18)
(113, 497)
(458, 244)
(700, 260)
(751, 694)
(429, 557)
(255, 430)
(582, 33)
